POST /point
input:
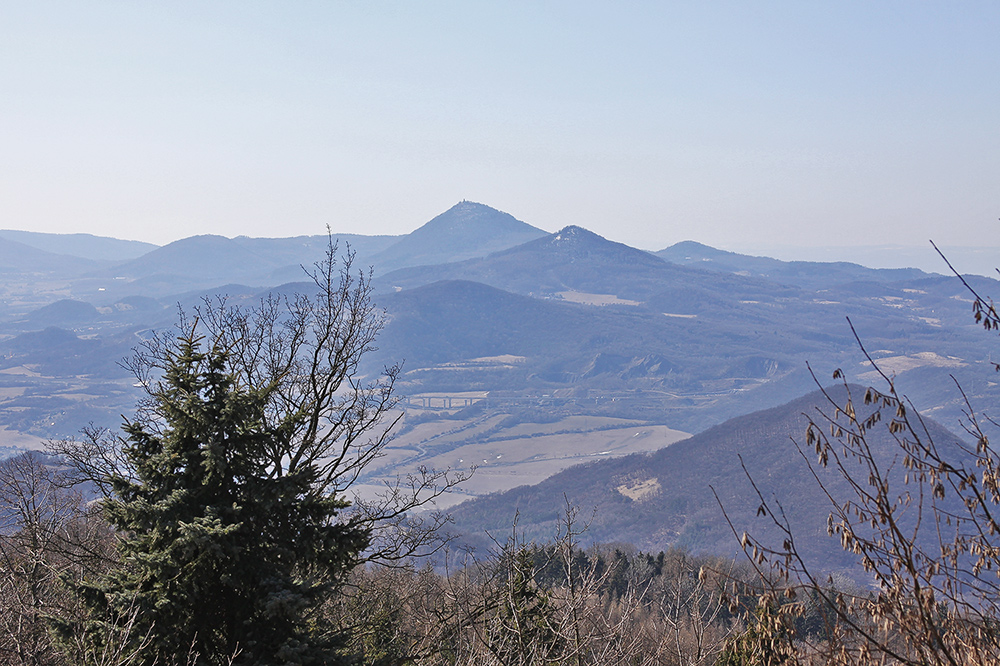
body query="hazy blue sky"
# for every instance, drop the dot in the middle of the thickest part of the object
(732, 123)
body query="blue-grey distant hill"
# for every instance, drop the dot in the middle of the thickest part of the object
(702, 345)
(464, 231)
(86, 246)
(289, 256)
(202, 262)
(601, 326)
(574, 262)
(809, 274)
(66, 313)
(205, 257)
(16, 257)
(688, 372)
(55, 349)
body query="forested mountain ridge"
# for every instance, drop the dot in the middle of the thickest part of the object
(563, 335)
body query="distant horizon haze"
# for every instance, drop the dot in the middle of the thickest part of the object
(979, 260)
(735, 124)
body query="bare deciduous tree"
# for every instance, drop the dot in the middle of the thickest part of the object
(46, 533)
(922, 517)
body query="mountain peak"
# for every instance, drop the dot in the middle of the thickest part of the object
(575, 233)
(695, 245)
(467, 207)
(475, 218)
(464, 231)
(575, 243)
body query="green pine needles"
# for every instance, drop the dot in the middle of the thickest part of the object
(223, 556)
(227, 489)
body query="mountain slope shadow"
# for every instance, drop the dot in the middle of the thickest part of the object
(666, 498)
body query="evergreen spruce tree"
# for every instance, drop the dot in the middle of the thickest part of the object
(227, 487)
(223, 557)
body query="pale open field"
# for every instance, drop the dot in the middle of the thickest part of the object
(595, 299)
(525, 453)
(12, 438)
(894, 365)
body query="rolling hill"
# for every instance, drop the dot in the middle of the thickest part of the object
(698, 345)
(17, 257)
(85, 246)
(808, 274)
(206, 257)
(561, 326)
(665, 499)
